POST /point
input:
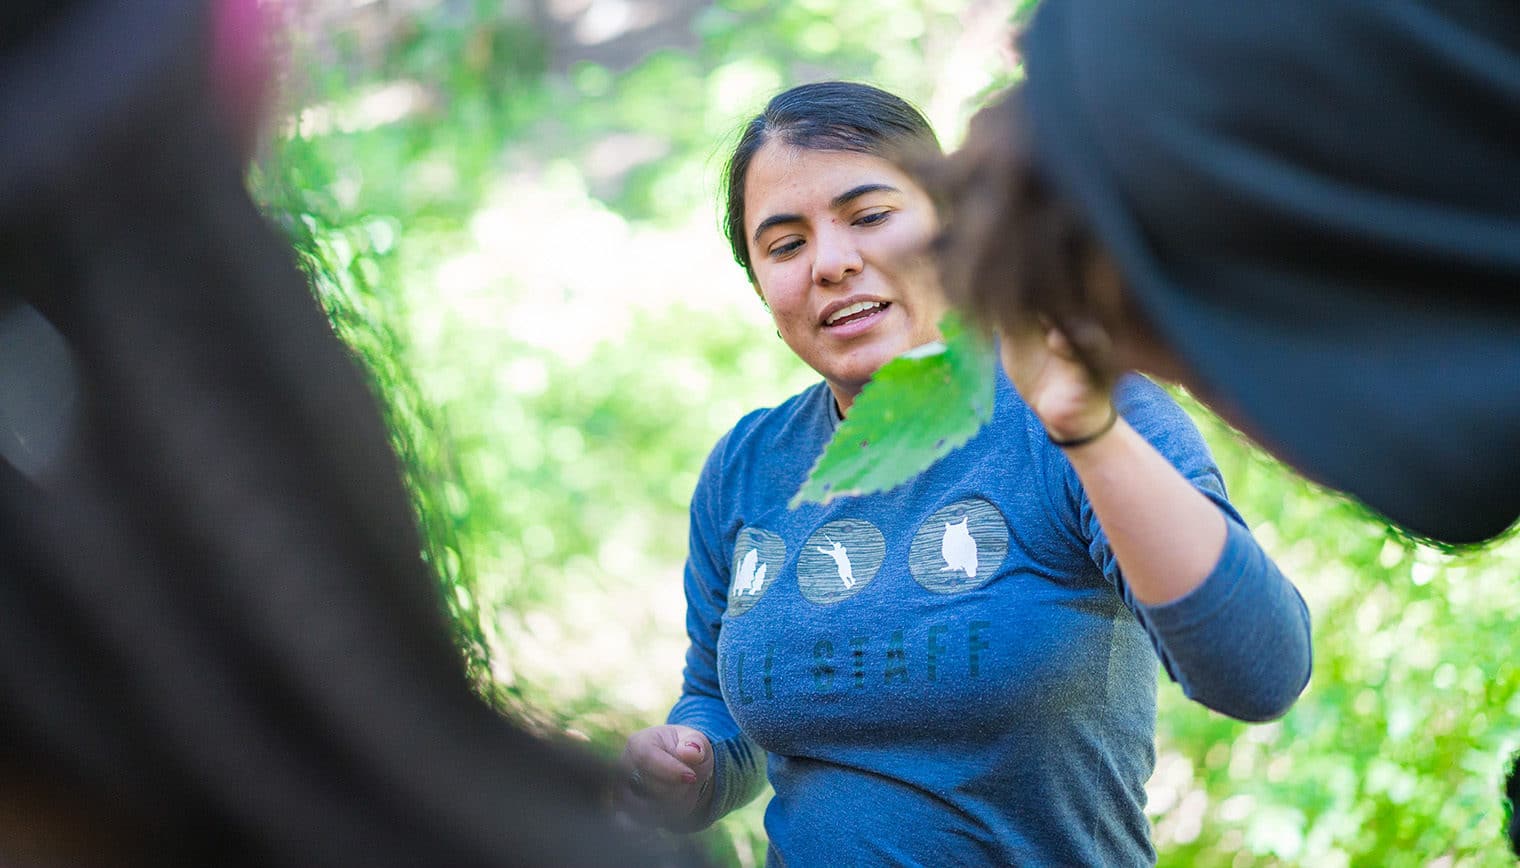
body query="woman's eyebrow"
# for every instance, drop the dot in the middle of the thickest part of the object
(774, 220)
(854, 193)
(839, 201)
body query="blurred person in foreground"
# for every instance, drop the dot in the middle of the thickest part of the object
(219, 644)
(962, 670)
(1512, 803)
(1305, 211)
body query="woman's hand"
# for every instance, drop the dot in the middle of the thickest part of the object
(1043, 366)
(666, 775)
(1166, 535)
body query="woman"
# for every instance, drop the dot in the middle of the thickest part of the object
(960, 670)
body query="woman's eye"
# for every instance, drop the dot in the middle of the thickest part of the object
(786, 249)
(872, 218)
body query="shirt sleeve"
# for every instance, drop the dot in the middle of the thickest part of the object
(738, 763)
(1239, 643)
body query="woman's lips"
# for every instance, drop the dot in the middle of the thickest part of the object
(857, 322)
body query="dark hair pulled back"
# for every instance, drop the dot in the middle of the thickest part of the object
(823, 116)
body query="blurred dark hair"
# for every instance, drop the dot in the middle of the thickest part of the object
(1002, 216)
(219, 642)
(823, 116)
(1512, 796)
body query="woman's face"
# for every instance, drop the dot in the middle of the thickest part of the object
(839, 245)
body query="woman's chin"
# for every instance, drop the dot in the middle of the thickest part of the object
(858, 371)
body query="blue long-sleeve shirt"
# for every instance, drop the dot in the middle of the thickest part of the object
(954, 672)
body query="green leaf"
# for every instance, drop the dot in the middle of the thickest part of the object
(918, 408)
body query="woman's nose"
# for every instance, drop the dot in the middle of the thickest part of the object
(835, 257)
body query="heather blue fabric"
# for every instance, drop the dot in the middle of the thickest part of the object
(954, 672)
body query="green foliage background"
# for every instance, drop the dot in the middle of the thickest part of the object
(509, 209)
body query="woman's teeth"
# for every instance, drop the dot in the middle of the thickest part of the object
(860, 307)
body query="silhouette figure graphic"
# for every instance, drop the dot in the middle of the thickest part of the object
(750, 579)
(841, 560)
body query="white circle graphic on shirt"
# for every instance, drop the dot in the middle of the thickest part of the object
(959, 547)
(757, 560)
(839, 559)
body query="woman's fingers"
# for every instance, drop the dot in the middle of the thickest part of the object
(1042, 363)
(693, 749)
(665, 769)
